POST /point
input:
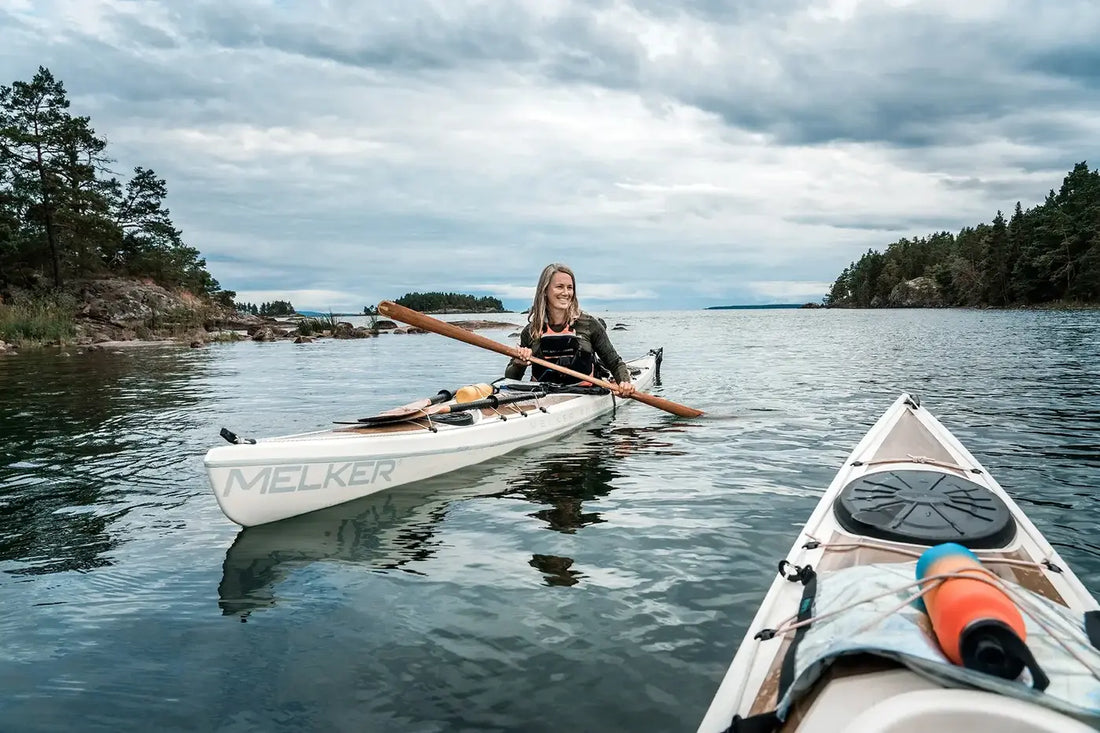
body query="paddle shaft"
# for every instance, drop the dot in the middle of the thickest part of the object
(441, 396)
(419, 320)
(491, 401)
(403, 414)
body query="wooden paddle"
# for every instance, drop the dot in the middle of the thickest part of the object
(415, 318)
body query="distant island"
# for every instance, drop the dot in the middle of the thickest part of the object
(274, 308)
(754, 307)
(445, 303)
(1045, 256)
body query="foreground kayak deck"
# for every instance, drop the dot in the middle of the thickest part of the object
(277, 478)
(908, 485)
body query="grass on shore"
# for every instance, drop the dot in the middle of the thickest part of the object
(315, 326)
(40, 321)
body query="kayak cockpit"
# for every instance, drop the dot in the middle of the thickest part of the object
(899, 701)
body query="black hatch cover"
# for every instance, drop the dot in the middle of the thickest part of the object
(924, 508)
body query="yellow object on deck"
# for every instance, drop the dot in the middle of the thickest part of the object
(472, 392)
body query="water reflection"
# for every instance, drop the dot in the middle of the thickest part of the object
(586, 472)
(397, 529)
(556, 569)
(75, 439)
(392, 530)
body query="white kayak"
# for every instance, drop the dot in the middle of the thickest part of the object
(841, 645)
(265, 480)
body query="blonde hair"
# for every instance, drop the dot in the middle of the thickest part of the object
(538, 317)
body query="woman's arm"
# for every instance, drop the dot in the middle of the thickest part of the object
(601, 344)
(515, 370)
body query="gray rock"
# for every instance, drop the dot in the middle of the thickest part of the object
(920, 292)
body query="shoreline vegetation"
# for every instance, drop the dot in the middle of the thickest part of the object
(1045, 257)
(88, 258)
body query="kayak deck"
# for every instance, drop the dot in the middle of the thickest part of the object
(512, 409)
(908, 485)
(420, 424)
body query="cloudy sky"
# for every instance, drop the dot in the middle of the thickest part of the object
(675, 154)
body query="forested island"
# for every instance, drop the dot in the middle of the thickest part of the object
(85, 254)
(274, 308)
(449, 303)
(1046, 255)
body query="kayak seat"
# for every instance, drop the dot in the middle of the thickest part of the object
(924, 508)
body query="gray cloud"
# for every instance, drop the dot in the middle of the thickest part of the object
(890, 226)
(687, 149)
(1079, 63)
(409, 38)
(895, 76)
(723, 12)
(904, 77)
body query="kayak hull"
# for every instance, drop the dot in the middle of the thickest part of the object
(278, 478)
(905, 446)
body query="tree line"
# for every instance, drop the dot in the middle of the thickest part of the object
(454, 302)
(1048, 253)
(274, 308)
(63, 213)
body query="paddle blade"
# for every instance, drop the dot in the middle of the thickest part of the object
(666, 405)
(442, 396)
(415, 318)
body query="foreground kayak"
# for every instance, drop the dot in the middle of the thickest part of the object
(843, 642)
(270, 479)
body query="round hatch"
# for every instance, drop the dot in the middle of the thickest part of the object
(924, 508)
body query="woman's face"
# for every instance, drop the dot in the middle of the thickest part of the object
(560, 293)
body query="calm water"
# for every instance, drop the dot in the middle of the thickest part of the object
(601, 582)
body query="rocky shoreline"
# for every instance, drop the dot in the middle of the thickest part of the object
(118, 312)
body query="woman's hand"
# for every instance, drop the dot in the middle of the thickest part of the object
(523, 356)
(625, 389)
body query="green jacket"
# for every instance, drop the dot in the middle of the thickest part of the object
(593, 339)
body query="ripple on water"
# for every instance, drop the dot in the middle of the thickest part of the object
(599, 581)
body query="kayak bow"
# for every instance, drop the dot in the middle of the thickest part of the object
(842, 642)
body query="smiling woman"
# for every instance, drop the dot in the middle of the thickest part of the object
(559, 332)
